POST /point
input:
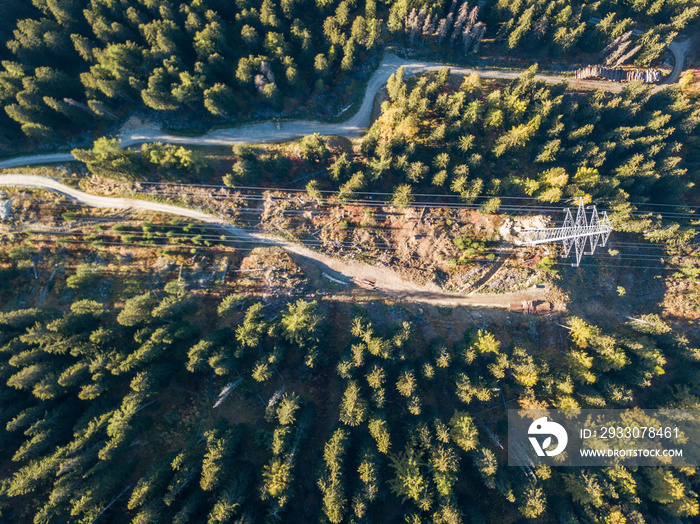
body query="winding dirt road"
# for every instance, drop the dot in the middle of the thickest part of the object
(387, 281)
(261, 132)
(353, 127)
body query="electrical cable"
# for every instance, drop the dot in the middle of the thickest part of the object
(317, 244)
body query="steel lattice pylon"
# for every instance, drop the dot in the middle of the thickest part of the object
(573, 232)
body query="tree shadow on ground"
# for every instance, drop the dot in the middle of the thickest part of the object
(607, 289)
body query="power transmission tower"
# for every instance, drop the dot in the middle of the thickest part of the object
(573, 232)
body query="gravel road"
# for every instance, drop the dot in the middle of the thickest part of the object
(387, 281)
(261, 132)
(680, 51)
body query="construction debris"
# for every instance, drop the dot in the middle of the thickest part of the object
(366, 283)
(325, 275)
(280, 276)
(531, 307)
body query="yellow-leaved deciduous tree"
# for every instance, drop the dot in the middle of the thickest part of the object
(416, 171)
(302, 323)
(409, 481)
(249, 334)
(379, 430)
(670, 491)
(287, 409)
(261, 371)
(331, 482)
(369, 478)
(517, 137)
(220, 450)
(486, 343)
(228, 505)
(567, 402)
(551, 184)
(406, 384)
(584, 488)
(581, 332)
(376, 377)
(551, 194)
(463, 431)
(395, 86)
(616, 516)
(612, 357)
(587, 177)
(402, 196)
(524, 368)
(555, 177)
(444, 464)
(347, 190)
(466, 390)
(353, 409)
(533, 502)
(548, 152)
(276, 478)
(581, 363)
(471, 83)
(487, 465)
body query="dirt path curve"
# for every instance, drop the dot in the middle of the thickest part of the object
(387, 281)
(261, 132)
(680, 51)
(34, 160)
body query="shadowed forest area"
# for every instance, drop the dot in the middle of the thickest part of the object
(176, 406)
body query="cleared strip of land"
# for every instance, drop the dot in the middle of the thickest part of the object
(387, 281)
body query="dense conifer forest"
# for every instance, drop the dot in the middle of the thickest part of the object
(250, 388)
(148, 408)
(73, 65)
(530, 138)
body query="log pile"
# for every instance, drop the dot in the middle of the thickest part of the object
(648, 76)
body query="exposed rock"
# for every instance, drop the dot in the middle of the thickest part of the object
(5, 209)
(511, 228)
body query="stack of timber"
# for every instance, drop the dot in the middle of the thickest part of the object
(616, 74)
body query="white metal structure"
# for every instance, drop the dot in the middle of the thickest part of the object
(573, 232)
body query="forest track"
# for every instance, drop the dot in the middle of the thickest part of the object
(386, 281)
(680, 52)
(136, 132)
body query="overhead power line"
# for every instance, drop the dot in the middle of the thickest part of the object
(163, 241)
(379, 193)
(246, 249)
